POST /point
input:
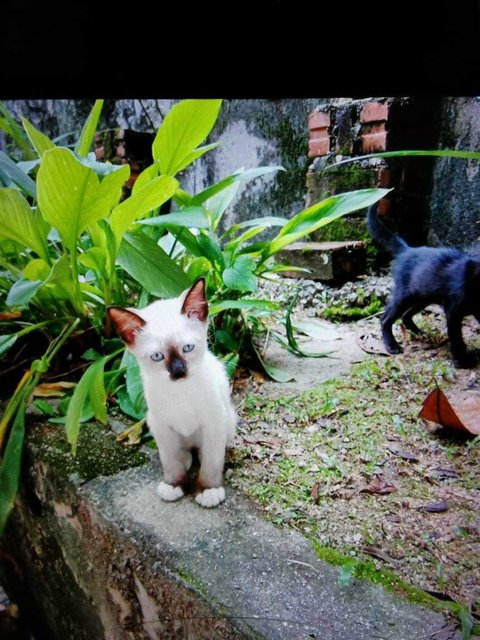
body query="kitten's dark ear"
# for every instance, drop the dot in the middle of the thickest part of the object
(127, 324)
(195, 304)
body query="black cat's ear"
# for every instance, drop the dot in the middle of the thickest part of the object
(195, 304)
(127, 323)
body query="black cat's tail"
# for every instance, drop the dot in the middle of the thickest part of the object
(379, 232)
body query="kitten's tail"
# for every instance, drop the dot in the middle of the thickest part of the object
(379, 232)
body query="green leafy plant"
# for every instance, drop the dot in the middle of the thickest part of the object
(14, 417)
(71, 245)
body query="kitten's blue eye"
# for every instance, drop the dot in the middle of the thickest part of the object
(187, 348)
(157, 356)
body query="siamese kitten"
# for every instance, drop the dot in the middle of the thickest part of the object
(186, 389)
(428, 275)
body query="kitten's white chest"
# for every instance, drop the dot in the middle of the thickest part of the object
(184, 405)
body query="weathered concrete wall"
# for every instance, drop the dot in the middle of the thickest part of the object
(455, 199)
(252, 132)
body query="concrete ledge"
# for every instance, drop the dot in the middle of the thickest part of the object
(105, 558)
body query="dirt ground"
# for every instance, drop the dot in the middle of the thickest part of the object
(341, 454)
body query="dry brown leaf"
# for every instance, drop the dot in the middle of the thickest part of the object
(461, 411)
(379, 485)
(434, 507)
(268, 441)
(258, 377)
(315, 493)
(133, 435)
(10, 315)
(448, 632)
(405, 455)
(52, 389)
(378, 553)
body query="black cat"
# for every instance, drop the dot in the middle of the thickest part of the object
(427, 275)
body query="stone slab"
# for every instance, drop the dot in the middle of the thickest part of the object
(327, 261)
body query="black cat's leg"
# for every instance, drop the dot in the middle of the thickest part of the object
(407, 319)
(394, 310)
(461, 359)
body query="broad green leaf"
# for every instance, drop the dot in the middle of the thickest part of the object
(89, 128)
(244, 237)
(19, 223)
(438, 153)
(149, 197)
(151, 267)
(10, 467)
(321, 214)
(277, 374)
(94, 258)
(40, 141)
(126, 405)
(134, 388)
(90, 385)
(37, 269)
(101, 169)
(284, 267)
(15, 131)
(240, 276)
(186, 125)
(256, 248)
(62, 283)
(28, 165)
(210, 249)
(6, 342)
(293, 345)
(71, 196)
(59, 286)
(171, 246)
(194, 155)
(267, 221)
(182, 198)
(238, 176)
(198, 267)
(146, 176)
(243, 304)
(188, 240)
(218, 204)
(17, 175)
(190, 217)
(230, 362)
(22, 292)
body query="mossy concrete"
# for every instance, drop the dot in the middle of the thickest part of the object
(332, 261)
(104, 557)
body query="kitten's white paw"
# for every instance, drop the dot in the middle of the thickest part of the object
(211, 497)
(168, 492)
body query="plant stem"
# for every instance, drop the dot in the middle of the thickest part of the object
(31, 377)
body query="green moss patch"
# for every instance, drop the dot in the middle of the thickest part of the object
(98, 452)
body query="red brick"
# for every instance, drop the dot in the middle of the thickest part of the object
(374, 112)
(384, 178)
(319, 146)
(374, 138)
(318, 120)
(383, 207)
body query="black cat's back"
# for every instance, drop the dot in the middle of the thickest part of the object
(429, 273)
